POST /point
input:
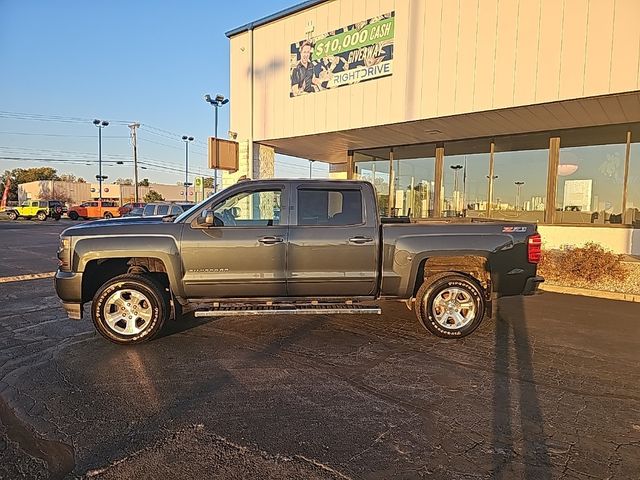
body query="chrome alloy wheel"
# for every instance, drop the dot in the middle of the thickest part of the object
(127, 312)
(453, 308)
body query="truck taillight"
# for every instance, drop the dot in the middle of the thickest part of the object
(534, 248)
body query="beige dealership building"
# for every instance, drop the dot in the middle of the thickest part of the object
(511, 109)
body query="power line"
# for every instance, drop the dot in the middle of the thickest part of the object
(61, 135)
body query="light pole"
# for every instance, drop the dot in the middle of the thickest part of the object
(518, 187)
(456, 193)
(186, 166)
(100, 124)
(217, 102)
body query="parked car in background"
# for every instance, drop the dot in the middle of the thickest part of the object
(165, 208)
(40, 209)
(94, 209)
(136, 212)
(127, 207)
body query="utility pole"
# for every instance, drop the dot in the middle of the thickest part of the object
(186, 141)
(134, 143)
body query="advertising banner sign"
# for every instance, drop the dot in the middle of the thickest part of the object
(353, 54)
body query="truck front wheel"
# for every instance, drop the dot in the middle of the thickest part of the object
(12, 215)
(73, 215)
(130, 309)
(450, 305)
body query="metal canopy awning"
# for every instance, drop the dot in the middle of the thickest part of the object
(332, 147)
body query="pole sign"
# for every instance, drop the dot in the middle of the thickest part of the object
(349, 55)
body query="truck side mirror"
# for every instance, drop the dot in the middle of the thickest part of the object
(210, 220)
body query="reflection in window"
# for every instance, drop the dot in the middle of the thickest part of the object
(414, 187)
(465, 185)
(632, 216)
(376, 171)
(590, 184)
(520, 185)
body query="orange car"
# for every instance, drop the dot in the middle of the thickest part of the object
(94, 209)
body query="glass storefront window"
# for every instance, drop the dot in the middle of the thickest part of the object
(632, 216)
(414, 187)
(465, 184)
(519, 184)
(374, 169)
(590, 184)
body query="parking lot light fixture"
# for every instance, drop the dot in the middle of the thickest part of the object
(100, 124)
(186, 139)
(216, 102)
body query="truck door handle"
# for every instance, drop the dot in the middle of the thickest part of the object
(359, 240)
(270, 240)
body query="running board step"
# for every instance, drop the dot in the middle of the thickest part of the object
(287, 309)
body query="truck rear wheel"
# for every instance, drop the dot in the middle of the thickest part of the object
(450, 305)
(42, 216)
(130, 309)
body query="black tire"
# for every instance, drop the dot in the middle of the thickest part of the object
(435, 289)
(108, 215)
(12, 215)
(73, 216)
(152, 292)
(42, 216)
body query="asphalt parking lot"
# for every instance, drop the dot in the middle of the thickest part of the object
(548, 389)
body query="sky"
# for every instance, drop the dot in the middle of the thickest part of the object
(62, 64)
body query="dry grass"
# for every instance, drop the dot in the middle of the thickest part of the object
(590, 267)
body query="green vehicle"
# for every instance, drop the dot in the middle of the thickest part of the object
(40, 209)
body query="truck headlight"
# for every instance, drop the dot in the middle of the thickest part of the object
(64, 254)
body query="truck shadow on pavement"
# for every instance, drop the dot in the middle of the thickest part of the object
(515, 397)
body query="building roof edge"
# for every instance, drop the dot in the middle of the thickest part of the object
(273, 17)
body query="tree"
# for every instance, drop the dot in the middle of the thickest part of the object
(208, 182)
(68, 177)
(81, 180)
(144, 182)
(25, 175)
(124, 181)
(153, 196)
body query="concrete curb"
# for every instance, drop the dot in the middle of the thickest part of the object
(30, 276)
(626, 297)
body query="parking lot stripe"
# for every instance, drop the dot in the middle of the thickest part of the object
(30, 276)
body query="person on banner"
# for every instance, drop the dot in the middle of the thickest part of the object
(303, 76)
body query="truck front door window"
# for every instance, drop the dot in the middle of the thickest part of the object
(250, 209)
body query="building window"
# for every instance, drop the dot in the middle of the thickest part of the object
(414, 181)
(590, 184)
(520, 182)
(466, 166)
(373, 167)
(632, 216)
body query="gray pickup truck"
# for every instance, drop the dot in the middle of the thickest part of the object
(289, 247)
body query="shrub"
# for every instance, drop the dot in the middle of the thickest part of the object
(153, 196)
(589, 263)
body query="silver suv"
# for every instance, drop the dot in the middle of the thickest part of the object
(165, 208)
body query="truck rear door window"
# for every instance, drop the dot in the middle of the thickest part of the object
(330, 207)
